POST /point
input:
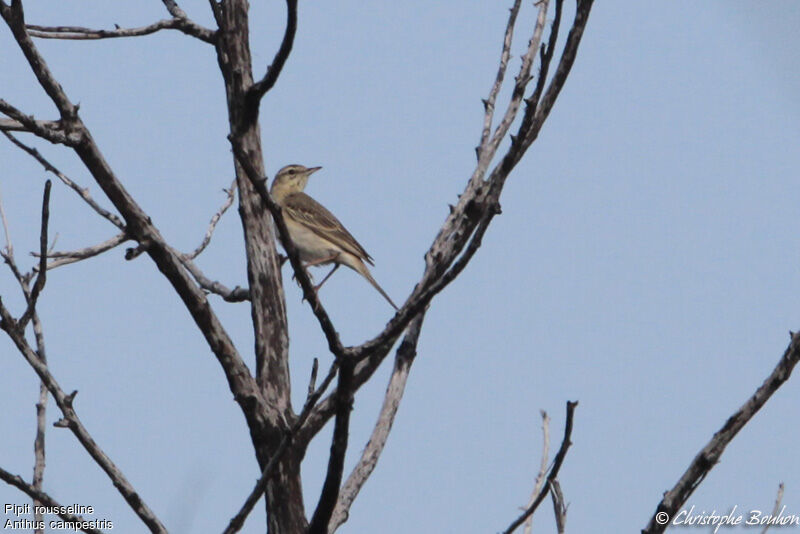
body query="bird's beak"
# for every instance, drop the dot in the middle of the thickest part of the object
(312, 170)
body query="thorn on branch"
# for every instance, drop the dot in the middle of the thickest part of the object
(61, 423)
(134, 252)
(71, 397)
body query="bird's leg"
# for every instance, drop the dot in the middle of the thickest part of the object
(316, 287)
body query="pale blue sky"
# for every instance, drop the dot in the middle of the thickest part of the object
(646, 262)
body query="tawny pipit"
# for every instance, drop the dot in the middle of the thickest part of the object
(318, 235)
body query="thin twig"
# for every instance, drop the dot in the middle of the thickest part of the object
(489, 103)
(709, 455)
(537, 486)
(559, 459)
(229, 195)
(775, 509)
(72, 421)
(66, 180)
(79, 33)
(72, 256)
(260, 88)
(41, 277)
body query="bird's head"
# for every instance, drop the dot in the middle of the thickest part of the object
(291, 179)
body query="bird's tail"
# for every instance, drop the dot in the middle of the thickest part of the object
(364, 271)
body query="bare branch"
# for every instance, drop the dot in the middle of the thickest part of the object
(489, 148)
(229, 194)
(73, 256)
(15, 19)
(237, 521)
(404, 357)
(260, 88)
(39, 496)
(38, 285)
(260, 415)
(537, 486)
(461, 234)
(559, 508)
(52, 131)
(237, 294)
(72, 421)
(559, 459)
(341, 431)
(41, 405)
(82, 192)
(488, 104)
(776, 508)
(80, 33)
(708, 457)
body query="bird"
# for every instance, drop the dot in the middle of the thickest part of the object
(318, 235)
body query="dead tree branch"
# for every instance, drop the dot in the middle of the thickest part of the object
(775, 509)
(73, 256)
(404, 357)
(543, 464)
(79, 33)
(72, 421)
(709, 455)
(463, 230)
(212, 225)
(260, 88)
(237, 521)
(41, 277)
(81, 191)
(341, 431)
(559, 459)
(559, 507)
(53, 131)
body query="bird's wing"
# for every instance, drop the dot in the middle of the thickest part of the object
(314, 216)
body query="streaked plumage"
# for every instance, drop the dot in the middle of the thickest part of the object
(318, 235)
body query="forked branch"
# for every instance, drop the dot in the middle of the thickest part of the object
(553, 475)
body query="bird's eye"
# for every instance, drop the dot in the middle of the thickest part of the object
(291, 171)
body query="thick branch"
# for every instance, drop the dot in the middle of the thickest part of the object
(708, 457)
(141, 228)
(237, 521)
